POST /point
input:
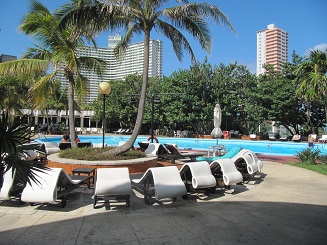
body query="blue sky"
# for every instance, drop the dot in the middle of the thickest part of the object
(304, 20)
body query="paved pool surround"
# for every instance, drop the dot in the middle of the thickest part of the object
(134, 165)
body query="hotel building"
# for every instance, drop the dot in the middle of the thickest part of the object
(272, 48)
(118, 69)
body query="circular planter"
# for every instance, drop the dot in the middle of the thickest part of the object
(134, 165)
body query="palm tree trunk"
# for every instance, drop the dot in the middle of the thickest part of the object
(138, 124)
(71, 110)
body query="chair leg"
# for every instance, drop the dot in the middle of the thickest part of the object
(63, 201)
(95, 201)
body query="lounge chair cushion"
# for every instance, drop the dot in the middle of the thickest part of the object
(232, 152)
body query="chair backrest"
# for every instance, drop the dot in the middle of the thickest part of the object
(50, 147)
(45, 188)
(201, 174)
(296, 137)
(251, 165)
(112, 173)
(64, 145)
(168, 182)
(230, 173)
(173, 150)
(84, 144)
(152, 149)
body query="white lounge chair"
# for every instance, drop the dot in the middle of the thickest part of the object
(197, 176)
(256, 160)
(174, 153)
(79, 130)
(156, 149)
(225, 170)
(30, 155)
(160, 183)
(10, 187)
(323, 138)
(48, 148)
(94, 131)
(284, 137)
(245, 161)
(112, 182)
(52, 185)
(253, 136)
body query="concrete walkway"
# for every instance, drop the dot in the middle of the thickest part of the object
(284, 205)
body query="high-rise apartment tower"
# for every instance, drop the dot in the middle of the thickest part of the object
(272, 48)
(116, 69)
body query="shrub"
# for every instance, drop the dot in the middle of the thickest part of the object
(308, 156)
(94, 154)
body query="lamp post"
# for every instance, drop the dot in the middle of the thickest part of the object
(154, 100)
(104, 89)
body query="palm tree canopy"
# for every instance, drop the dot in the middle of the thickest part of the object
(137, 16)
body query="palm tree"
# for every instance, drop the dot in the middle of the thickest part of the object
(142, 16)
(57, 48)
(312, 81)
(14, 141)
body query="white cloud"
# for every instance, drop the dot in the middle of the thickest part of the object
(321, 47)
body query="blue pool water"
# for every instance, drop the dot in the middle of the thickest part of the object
(262, 147)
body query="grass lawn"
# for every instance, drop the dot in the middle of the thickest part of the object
(319, 168)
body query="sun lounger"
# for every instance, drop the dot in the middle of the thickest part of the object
(197, 176)
(284, 137)
(160, 183)
(296, 138)
(226, 171)
(112, 182)
(84, 144)
(98, 145)
(78, 130)
(245, 162)
(11, 186)
(143, 145)
(253, 136)
(156, 149)
(65, 145)
(52, 185)
(272, 137)
(30, 155)
(174, 153)
(94, 131)
(323, 138)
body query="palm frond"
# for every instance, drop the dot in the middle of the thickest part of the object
(23, 66)
(177, 39)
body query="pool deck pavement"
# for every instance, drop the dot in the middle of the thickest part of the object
(282, 205)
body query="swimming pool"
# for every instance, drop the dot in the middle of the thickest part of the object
(263, 147)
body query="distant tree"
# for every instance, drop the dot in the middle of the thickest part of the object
(311, 82)
(275, 96)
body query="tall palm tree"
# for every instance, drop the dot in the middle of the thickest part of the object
(142, 16)
(312, 81)
(57, 48)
